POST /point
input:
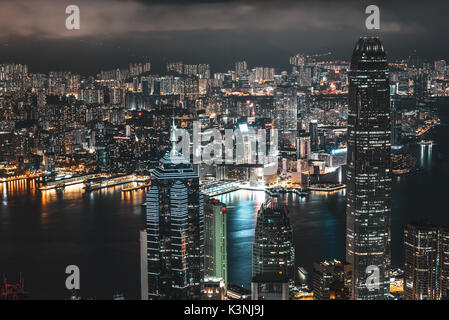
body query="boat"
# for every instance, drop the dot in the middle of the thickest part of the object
(426, 142)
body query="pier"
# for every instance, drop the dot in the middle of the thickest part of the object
(142, 186)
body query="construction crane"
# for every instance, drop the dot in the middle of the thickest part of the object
(12, 291)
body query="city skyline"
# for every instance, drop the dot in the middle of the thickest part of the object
(224, 150)
(309, 145)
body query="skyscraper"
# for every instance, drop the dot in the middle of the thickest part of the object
(175, 230)
(426, 265)
(420, 265)
(331, 280)
(143, 265)
(396, 116)
(368, 207)
(214, 288)
(285, 108)
(313, 132)
(273, 254)
(215, 238)
(303, 148)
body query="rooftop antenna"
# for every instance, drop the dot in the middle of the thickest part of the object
(173, 138)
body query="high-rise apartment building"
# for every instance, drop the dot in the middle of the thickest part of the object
(241, 67)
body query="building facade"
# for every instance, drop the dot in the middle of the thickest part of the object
(175, 230)
(285, 108)
(332, 280)
(273, 254)
(215, 246)
(368, 208)
(426, 265)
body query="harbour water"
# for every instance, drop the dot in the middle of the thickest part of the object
(42, 233)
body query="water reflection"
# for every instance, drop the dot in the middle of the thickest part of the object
(41, 232)
(317, 222)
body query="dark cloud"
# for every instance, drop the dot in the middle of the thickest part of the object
(43, 19)
(265, 32)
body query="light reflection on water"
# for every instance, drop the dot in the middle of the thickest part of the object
(242, 207)
(41, 233)
(317, 223)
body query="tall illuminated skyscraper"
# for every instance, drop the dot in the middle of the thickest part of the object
(273, 254)
(420, 265)
(331, 280)
(303, 147)
(313, 132)
(426, 263)
(175, 229)
(285, 108)
(368, 208)
(215, 238)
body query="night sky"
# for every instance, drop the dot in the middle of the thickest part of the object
(116, 32)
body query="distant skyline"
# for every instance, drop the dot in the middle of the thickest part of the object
(116, 32)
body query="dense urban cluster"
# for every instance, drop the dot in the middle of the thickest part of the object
(118, 126)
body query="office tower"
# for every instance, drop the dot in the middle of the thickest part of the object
(332, 280)
(215, 240)
(414, 60)
(143, 265)
(285, 108)
(273, 254)
(420, 265)
(313, 132)
(146, 86)
(175, 230)
(426, 265)
(443, 252)
(368, 207)
(396, 116)
(135, 84)
(227, 81)
(235, 292)
(303, 147)
(421, 88)
(214, 288)
(243, 81)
